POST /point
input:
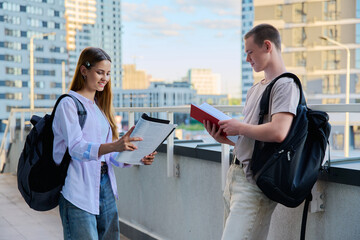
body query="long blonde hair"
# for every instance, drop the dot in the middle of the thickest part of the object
(88, 58)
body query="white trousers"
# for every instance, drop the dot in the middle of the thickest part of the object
(247, 210)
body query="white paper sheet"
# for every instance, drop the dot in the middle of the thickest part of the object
(152, 133)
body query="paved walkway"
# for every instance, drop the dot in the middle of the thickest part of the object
(18, 221)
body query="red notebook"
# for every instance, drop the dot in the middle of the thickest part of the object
(200, 115)
(208, 112)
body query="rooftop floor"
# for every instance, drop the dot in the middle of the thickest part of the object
(18, 221)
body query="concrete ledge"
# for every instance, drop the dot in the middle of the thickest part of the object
(133, 232)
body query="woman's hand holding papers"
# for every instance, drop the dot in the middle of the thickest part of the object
(149, 159)
(125, 142)
(216, 133)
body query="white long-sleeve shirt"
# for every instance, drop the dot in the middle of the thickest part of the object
(82, 183)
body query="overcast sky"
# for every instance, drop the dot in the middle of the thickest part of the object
(168, 37)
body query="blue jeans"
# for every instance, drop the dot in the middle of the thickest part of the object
(79, 224)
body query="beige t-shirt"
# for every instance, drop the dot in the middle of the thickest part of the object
(284, 97)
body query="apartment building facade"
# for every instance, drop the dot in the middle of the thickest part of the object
(204, 81)
(20, 22)
(321, 44)
(134, 78)
(95, 23)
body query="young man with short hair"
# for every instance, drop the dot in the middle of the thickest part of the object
(248, 211)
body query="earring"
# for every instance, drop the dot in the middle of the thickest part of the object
(84, 77)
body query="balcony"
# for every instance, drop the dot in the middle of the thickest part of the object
(180, 195)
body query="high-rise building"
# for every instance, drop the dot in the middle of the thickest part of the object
(247, 17)
(97, 24)
(106, 34)
(308, 30)
(133, 78)
(79, 14)
(317, 37)
(204, 81)
(21, 21)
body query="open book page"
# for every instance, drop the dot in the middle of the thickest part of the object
(153, 134)
(207, 112)
(214, 112)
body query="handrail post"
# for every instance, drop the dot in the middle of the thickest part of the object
(131, 119)
(170, 148)
(225, 163)
(2, 147)
(22, 126)
(12, 125)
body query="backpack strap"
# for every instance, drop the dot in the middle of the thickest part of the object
(81, 111)
(264, 102)
(264, 110)
(304, 216)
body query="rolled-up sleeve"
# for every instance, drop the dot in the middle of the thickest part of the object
(67, 128)
(113, 156)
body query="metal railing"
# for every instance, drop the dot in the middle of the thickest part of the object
(27, 113)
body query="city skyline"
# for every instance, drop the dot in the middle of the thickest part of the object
(167, 38)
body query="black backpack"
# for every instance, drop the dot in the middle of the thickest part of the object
(287, 171)
(40, 180)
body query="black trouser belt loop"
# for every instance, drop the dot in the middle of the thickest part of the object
(104, 168)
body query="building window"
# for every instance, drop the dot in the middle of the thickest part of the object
(10, 19)
(15, 96)
(55, 85)
(10, 58)
(356, 137)
(45, 72)
(300, 37)
(12, 83)
(34, 10)
(330, 10)
(338, 141)
(13, 71)
(300, 59)
(332, 60)
(12, 33)
(40, 84)
(331, 32)
(39, 48)
(11, 45)
(279, 11)
(11, 6)
(300, 12)
(331, 84)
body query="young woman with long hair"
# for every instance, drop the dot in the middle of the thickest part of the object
(87, 203)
